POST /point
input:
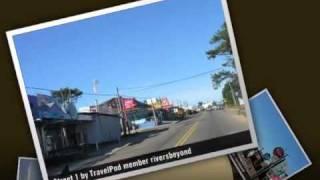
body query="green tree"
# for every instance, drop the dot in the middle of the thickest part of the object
(222, 47)
(222, 43)
(66, 97)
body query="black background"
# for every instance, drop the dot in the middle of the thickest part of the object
(278, 47)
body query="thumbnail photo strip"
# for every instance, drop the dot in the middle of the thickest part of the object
(133, 89)
(280, 159)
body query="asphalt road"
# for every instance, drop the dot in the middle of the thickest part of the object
(202, 126)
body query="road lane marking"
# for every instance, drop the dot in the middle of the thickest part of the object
(184, 136)
(187, 135)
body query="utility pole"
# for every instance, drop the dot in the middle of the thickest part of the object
(232, 93)
(154, 101)
(95, 91)
(154, 115)
(121, 113)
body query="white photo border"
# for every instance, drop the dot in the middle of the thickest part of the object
(10, 34)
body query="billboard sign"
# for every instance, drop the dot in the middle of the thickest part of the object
(128, 103)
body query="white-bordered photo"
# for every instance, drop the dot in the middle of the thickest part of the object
(28, 169)
(133, 88)
(280, 155)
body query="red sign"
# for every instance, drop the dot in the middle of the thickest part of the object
(128, 103)
(165, 103)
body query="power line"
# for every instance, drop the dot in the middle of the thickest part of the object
(142, 88)
(137, 88)
(84, 93)
(90, 94)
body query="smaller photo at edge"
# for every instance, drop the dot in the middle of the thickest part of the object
(279, 155)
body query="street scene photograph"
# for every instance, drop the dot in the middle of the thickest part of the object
(124, 84)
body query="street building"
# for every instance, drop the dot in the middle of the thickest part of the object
(129, 109)
(61, 137)
(102, 127)
(64, 132)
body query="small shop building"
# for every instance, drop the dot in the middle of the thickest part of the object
(61, 134)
